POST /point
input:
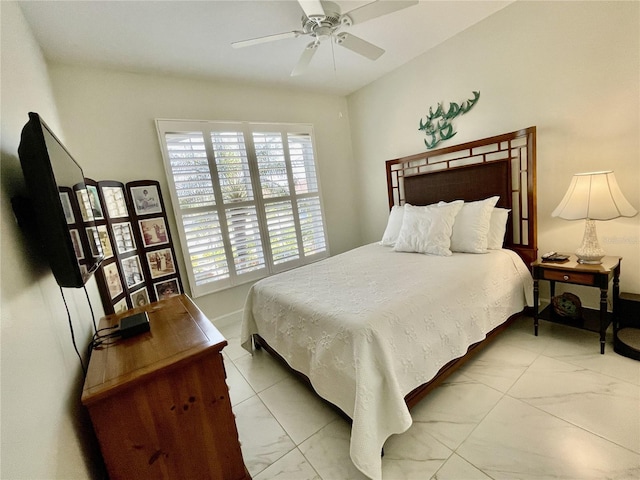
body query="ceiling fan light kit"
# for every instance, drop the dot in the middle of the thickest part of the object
(323, 20)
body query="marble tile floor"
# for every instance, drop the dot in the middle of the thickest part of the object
(546, 407)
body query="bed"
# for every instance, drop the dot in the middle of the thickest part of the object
(375, 329)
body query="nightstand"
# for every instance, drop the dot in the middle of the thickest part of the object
(575, 273)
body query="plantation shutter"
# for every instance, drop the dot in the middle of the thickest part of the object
(274, 185)
(306, 183)
(246, 199)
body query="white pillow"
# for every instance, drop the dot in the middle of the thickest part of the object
(393, 226)
(471, 228)
(497, 228)
(427, 229)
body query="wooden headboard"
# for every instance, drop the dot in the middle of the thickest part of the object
(503, 165)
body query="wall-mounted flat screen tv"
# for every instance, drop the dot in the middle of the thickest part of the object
(63, 209)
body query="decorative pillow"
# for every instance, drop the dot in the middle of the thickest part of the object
(471, 228)
(497, 228)
(393, 226)
(427, 229)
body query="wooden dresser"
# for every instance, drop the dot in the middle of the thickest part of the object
(159, 402)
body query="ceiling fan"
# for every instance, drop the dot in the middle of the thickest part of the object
(323, 20)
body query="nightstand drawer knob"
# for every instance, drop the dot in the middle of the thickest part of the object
(566, 277)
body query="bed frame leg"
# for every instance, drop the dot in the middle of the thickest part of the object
(256, 343)
(382, 452)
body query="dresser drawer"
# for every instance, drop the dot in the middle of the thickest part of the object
(580, 278)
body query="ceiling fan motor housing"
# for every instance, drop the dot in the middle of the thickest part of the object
(325, 25)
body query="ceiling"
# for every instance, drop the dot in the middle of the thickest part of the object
(193, 38)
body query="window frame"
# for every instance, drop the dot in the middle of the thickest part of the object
(259, 202)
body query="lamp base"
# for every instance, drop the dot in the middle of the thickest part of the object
(589, 262)
(590, 252)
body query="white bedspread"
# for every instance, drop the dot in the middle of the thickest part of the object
(370, 325)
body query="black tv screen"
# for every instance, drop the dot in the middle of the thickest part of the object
(61, 204)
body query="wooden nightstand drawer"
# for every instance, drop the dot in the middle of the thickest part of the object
(571, 277)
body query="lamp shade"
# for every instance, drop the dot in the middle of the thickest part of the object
(595, 196)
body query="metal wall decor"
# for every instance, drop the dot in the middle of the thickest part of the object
(438, 126)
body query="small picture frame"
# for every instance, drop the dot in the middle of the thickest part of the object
(167, 289)
(94, 200)
(77, 243)
(112, 278)
(107, 249)
(121, 306)
(146, 200)
(140, 297)
(115, 202)
(94, 241)
(123, 236)
(132, 271)
(65, 200)
(161, 263)
(153, 231)
(84, 204)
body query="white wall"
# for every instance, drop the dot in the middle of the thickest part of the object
(44, 428)
(108, 118)
(570, 68)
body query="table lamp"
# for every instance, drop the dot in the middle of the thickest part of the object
(593, 196)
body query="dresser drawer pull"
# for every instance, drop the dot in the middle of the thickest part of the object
(566, 277)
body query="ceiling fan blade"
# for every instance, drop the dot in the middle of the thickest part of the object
(305, 58)
(377, 9)
(313, 9)
(359, 46)
(268, 38)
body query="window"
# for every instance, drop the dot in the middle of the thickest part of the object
(246, 199)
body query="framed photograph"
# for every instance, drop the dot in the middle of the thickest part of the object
(115, 202)
(94, 241)
(146, 200)
(112, 278)
(121, 306)
(140, 297)
(77, 244)
(65, 200)
(103, 234)
(153, 231)
(84, 203)
(161, 263)
(132, 271)
(166, 289)
(123, 236)
(94, 200)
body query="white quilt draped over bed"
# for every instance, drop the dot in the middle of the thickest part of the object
(370, 325)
